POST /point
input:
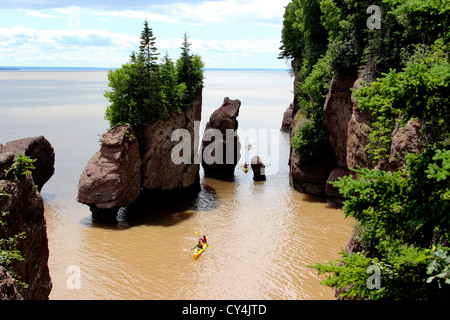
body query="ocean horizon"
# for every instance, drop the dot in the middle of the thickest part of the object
(16, 68)
(19, 68)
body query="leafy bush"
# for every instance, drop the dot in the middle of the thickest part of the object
(312, 142)
(9, 252)
(406, 218)
(419, 91)
(22, 165)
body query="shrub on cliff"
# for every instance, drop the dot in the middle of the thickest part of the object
(22, 165)
(146, 89)
(404, 216)
(8, 249)
(418, 91)
(311, 141)
(9, 252)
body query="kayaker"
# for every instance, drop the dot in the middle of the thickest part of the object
(199, 244)
(204, 240)
(246, 165)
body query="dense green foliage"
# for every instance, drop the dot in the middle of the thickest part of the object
(403, 218)
(146, 89)
(304, 41)
(332, 37)
(419, 91)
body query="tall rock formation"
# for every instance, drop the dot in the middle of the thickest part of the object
(24, 208)
(133, 163)
(38, 148)
(112, 177)
(258, 168)
(287, 119)
(338, 112)
(221, 146)
(309, 178)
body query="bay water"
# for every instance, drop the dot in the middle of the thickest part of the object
(262, 234)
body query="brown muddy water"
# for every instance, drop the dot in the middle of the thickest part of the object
(262, 234)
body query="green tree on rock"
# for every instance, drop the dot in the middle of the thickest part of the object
(146, 89)
(148, 49)
(189, 69)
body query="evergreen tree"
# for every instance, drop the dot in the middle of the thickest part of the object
(147, 49)
(190, 72)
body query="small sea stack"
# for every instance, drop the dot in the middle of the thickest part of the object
(258, 168)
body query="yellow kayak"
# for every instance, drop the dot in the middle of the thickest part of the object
(245, 168)
(198, 252)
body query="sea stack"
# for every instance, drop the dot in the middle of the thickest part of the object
(221, 145)
(258, 168)
(134, 165)
(287, 119)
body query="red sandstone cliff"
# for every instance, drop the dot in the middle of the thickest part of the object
(349, 129)
(23, 206)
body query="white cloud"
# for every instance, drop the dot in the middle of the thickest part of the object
(244, 47)
(103, 48)
(187, 10)
(92, 47)
(202, 12)
(75, 46)
(41, 15)
(137, 14)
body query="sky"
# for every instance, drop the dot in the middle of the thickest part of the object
(103, 33)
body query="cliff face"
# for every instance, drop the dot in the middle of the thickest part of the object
(112, 177)
(132, 163)
(8, 290)
(24, 208)
(349, 129)
(158, 171)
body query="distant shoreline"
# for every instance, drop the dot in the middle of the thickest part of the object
(107, 69)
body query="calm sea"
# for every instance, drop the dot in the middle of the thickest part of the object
(262, 234)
